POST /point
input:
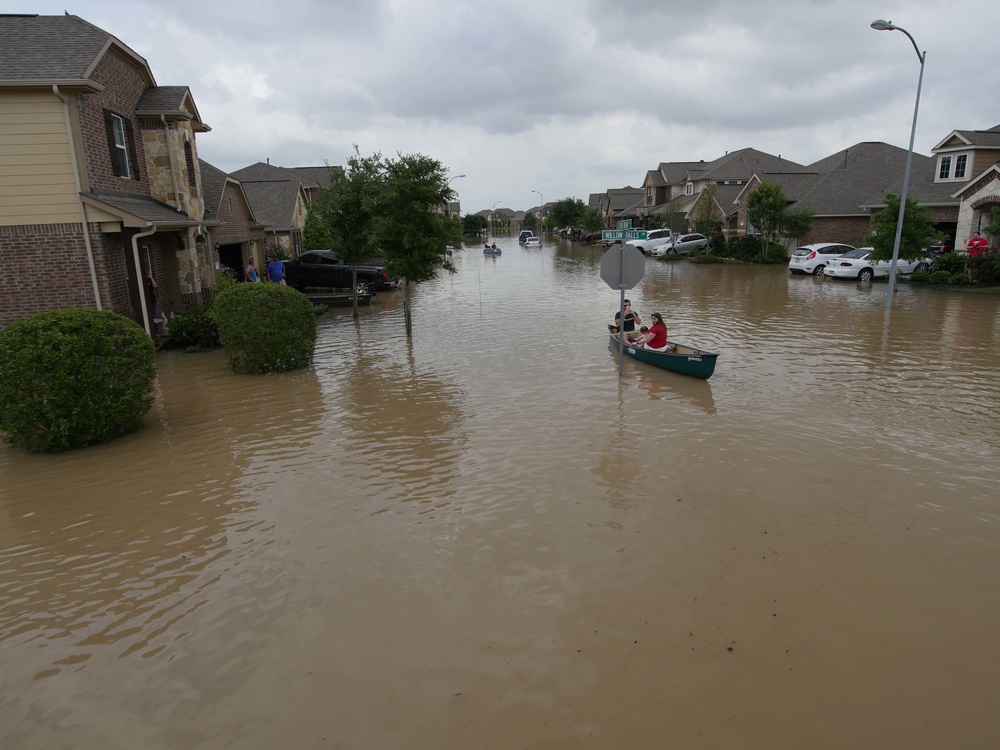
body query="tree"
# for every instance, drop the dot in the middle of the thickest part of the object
(315, 235)
(413, 235)
(707, 214)
(347, 210)
(473, 223)
(918, 230)
(530, 221)
(673, 217)
(765, 210)
(566, 213)
(797, 225)
(590, 218)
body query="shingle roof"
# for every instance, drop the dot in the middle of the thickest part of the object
(213, 185)
(261, 172)
(741, 164)
(143, 207)
(52, 48)
(273, 203)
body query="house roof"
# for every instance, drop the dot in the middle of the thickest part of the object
(741, 165)
(273, 202)
(674, 172)
(137, 210)
(213, 188)
(310, 177)
(173, 102)
(42, 50)
(961, 138)
(620, 199)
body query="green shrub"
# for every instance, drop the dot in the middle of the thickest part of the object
(959, 279)
(265, 328)
(72, 378)
(985, 268)
(745, 248)
(951, 263)
(941, 277)
(194, 329)
(775, 254)
(707, 258)
(920, 277)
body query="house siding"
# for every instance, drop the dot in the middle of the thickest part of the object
(45, 268)
(36, 171)
(124, 84)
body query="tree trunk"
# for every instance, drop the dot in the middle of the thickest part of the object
(406, 308)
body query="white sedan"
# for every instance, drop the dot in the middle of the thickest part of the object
(533, 242)
(856, 264)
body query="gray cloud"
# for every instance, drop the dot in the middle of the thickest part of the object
(564, 96)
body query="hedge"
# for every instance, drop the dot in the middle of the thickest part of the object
(72, 378)
(265, 328)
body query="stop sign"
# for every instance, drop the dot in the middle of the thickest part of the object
(618, 274)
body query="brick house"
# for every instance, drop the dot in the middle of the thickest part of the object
(236, 235)
(101, 177)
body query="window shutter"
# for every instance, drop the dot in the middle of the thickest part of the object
(131, 149)
(112, 149)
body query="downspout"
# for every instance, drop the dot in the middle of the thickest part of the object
(79, 190)
(138, 274)
(170, 162)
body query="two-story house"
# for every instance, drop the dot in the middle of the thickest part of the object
(100, 185)
(968, 162)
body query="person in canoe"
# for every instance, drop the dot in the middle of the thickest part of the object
(631, 320)
(655, 339)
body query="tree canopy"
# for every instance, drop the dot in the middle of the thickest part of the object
(918, 230)
(566, 212)
(766, 205)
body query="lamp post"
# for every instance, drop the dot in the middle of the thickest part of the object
(493, 216)
(880, 25)
(541, 212)
(447, 207)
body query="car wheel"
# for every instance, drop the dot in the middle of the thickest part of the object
(818, 270)
(866, 274)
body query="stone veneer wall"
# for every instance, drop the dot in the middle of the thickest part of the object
(159, 146)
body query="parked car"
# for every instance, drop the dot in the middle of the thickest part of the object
(322, 269)
(814, 258)
(525, 234)
(682, 244)
(857, 264)
(654, 238)
(533, 242)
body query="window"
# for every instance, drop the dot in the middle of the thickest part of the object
(953, 167)
(121, 145)
(689, 189)
(961, 165)
(944, 168)
(649, 194)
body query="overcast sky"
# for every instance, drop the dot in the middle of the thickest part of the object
(563, 97)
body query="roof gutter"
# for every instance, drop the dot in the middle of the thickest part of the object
(79, 190)
(138, 275)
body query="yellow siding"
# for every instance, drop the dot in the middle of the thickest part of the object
(36, 174)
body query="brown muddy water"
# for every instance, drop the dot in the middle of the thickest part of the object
(483, 539)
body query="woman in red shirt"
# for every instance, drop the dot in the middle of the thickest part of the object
(656, 337)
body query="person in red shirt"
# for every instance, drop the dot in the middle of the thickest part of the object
(656, 337)
(977, 244)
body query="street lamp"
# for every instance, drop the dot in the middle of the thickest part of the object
(454, 178)
(493, 216)
(541, 209)
(880, 25)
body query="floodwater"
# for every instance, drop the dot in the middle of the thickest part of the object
(484, 539)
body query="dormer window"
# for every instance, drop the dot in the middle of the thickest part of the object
(953, 167)
(689, 189)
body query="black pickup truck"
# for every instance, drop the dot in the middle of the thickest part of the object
(322, 269)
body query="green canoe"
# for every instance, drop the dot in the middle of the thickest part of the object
(682, 359)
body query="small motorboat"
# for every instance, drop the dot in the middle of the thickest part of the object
(679, 358)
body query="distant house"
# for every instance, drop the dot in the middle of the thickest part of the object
(236, 235)
(101, 176)
(280, 198)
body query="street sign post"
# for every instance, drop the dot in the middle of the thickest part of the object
(622, 267)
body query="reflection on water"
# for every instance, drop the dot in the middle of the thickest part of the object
(484, 532)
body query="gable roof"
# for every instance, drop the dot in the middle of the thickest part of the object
(964, 138)
(173, 102)
(273, 202)
(310, 177)
(44, 50)
(741, 165)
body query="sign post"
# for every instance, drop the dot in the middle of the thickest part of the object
(622, 267)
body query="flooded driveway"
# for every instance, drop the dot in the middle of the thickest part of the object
(484, 538)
